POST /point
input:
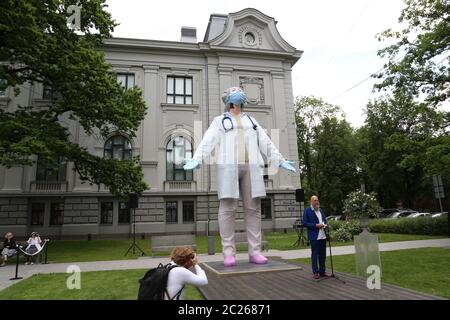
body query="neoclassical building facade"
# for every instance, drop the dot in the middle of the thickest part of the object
(182, 84)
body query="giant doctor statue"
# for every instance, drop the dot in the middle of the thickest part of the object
(240, 140)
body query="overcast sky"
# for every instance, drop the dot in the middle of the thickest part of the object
(337, 37)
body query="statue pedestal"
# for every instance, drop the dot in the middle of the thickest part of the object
(367, 252)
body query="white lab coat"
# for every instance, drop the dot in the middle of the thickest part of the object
(226, 158)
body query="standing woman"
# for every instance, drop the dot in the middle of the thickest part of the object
(9, 248)
(240, 141)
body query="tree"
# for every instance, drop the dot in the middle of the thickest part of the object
(398, 141)
(38, 46)
(419, 60)
(334, 162)
(327, 151)
(309, 112)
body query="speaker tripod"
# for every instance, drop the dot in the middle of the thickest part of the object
(134, 246)
(327, 233)
(298, 227)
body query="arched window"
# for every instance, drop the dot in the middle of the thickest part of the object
(177, 150)
(118, 147)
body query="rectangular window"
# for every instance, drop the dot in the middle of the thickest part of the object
(56, 214)
(126, 80)
(49, 93)
(266, 209)
(171, 212)
(2, 87)
(179, 90)
(106, 213)
(37, 214)
(51, 171)
(188, 211)
(124, 212)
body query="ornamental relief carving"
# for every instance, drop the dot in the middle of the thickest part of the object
(249, 36)
(254, 89)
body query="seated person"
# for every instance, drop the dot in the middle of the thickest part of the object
(9, 248)
(34, 245)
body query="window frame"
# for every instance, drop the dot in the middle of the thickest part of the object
(3, 88)
(46, 166)
(127, 75)
(266, 203)
(174, 95)
(121, 214)
(59, 219)
(187, 174)
(110, 211)
(171, 214)
(41, 214)
(183, 211)
(125, 151)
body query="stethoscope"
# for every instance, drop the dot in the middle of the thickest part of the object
(231, 127)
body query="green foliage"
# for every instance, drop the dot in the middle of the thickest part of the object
(360, 204)
(402, 143)
(412, 131)
(425, 226)
(341, 235)
(345, 231)
(418, 61)
(327, 150)
(39, 47)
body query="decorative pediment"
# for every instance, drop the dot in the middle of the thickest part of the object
(251, 29)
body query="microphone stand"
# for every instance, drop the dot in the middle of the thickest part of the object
(327, 234)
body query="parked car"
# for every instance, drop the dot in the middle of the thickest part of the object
(400, 214)
(439, 214)
(389, 213)
(419, 214)
(386, 212)
(334, 218)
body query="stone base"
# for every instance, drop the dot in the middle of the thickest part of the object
(243, 266)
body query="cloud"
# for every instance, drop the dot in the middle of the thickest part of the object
(337, 37)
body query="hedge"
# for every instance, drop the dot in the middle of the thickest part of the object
(421, 225)
(342, 231)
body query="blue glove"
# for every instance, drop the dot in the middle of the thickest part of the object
(191, 164)
(288, 165)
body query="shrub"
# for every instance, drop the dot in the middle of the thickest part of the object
(425, 226)
(345, 231)
(341, 235)
(360, 204)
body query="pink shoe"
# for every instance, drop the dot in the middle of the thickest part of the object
(258, 259)
(229, 261)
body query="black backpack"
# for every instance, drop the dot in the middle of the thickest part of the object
(153, 285)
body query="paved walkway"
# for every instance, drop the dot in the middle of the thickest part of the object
(27, 271)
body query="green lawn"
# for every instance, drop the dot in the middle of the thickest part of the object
(101, 250)
(425, 270)
(98, 285)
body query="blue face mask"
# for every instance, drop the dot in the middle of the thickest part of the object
(236, 98)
